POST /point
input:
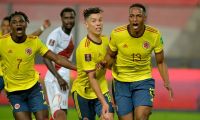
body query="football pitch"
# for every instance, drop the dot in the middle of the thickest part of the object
(5, 114)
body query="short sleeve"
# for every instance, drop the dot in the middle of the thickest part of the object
(158, 43)
(51, 42)
(42, 49)
(112, 43)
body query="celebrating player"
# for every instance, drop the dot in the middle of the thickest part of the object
(129, 53)
(90, 89)
(18, 51)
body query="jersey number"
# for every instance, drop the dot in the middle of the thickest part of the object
(19, 62)
(137, 57)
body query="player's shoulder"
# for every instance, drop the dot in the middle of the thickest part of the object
(104, 37)
(151, 29)
(120, 28)
(32, 37)
(83, 41)
(53, 34)
(56, 30)
(5, 36)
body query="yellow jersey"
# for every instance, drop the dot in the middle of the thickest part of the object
(1, 74)
(133, 61)
(18, 62)
(1, 33)
(88, 54)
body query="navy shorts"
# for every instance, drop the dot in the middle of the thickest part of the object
(129, 95)
(88, 108)
(1, 83)
(31, 100)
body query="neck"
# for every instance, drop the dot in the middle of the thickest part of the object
(134, 33)
(94, 38)
(18, 39)
(67, 31)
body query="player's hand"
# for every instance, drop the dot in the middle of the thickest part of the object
(63, 84)
(113, 104)
(170, 90)
(105, 112)
(46, 23)
(101, 65)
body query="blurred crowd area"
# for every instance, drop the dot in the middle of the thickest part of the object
(179, 22)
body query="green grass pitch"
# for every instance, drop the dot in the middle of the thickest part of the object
(6, 114)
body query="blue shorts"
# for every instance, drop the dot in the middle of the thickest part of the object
(1, 83)
(129, 95)
(31, 100)
(88, 108)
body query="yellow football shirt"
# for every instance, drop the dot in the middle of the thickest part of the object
(18, 62)
(133, 62)
(0, 59)
(88, 54)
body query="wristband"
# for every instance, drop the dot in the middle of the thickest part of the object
(42, 28)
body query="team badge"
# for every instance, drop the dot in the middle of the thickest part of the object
(17, 106)
(146, 45)
(88, 57)
(28, 51)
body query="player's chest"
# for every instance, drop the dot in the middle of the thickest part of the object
(22, 51)
(99, 51)
(63, 41)
(130, 46)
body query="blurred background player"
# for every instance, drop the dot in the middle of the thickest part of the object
(59, 41)
(5, 26)
(5, 29)
(90, 89)
(18, 52)
(130, 50)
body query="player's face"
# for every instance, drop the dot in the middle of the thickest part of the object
(18, 25)
(5, 27)
(94, 23)
(137, 18)
(68, 20)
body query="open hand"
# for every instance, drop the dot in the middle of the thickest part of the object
(170, 90)
(63, 84)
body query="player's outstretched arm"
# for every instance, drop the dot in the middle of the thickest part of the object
(43, 27)
(162, 67)
(63, 84)
(60, 60)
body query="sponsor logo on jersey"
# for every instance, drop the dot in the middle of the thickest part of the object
(125, 46)
(10, 51)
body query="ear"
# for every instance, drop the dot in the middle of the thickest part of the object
(86, 24)
(145, 18)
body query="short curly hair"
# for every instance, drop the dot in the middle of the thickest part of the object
(20, 13)
(89, 11)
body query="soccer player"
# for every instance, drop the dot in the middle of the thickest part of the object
(59, 41)
(129, 52)
(18, 51)
(90, 90)
(5, 29)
